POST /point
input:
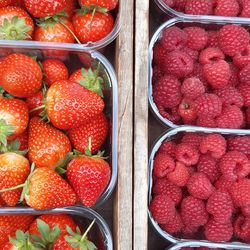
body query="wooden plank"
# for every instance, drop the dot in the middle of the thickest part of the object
(141, 125)
(123, 212)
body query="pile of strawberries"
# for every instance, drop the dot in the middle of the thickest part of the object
(66, 21)
(53, 160)
(55, 232)
(201, 77)
(201, 187)
(211, 7)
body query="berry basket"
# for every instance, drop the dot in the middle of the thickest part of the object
(100, 233)
(208, 23)
(76, 58)
(173, 135)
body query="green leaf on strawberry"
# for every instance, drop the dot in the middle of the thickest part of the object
(5, 130)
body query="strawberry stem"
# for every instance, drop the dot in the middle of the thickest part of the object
(88, 229)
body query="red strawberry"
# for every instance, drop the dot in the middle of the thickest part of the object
(71, 6)
(70, 105)
(34, 102)
(48, 147)
(5, 3)
(23, 141)
(21, 76)
(44, 8)
(107, 4)
(15, 24)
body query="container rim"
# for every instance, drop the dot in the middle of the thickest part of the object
(76, 210)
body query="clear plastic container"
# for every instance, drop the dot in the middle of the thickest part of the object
(75, 58)
(169, 136)
(207, 22)
(100, 233)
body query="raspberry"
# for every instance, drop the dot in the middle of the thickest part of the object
(178, 63)
(196, 38)
(170, 114)
(239, 143)
(192, 88)
(242, 58)
(180, 175)
(163, 164)
(208, 165)
(167, 92)
(173, 38)
(245, 92)
(233, 39)
(217, 73)
(220, 205)
(193, 212)
(214, 144)
(208, 105)
(240, 192)
(164, 186)
(248, 116)
(223, 184)
(213, 39)
(193, 139)
(162, 209)
(168, 147)
(187, 111)
(157, 74)
(230, 96)
(173, 226)
(159, 53)
(210, 55)
(242, 228)
(170, 3)
(234, 80)
(189, 232)
(246, 210)
(231, 117)
(180, 5)
(198, 73)
(244, 75)
(245, 8)
(197, 7)
(227, 8)
(206, 122)
(186, 154)
(216, 231)
(200, 186)
(194, 54)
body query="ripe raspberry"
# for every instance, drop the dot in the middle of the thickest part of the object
(239, 143)
(240, 192)
(180, 5)
(215, 231)
(242, 228)
(159, 53)
(170, 3)
(207, 122)
(213, 144)
(173, 38)
(246, 210)
(173, 226)
(199, 186)
(189, 232)
(168, 147)
(162, 209)
(220, 205)
(193, 139)
(245, 8)
(198, 73)
(187, 111)
(186, 154)
(197, 7)
(234, 80)
(217, 73)
(180, 175)
(210, 55)
(157, 74)
(163, 164)
(167, 92)
(193, 212)
(178, 63)
(194, 54)
(230, 96)
(192, 88)
(208, 165)
(170, 114)
(233, 39)
(231, 117)
(245, 92)
(247, 113)
(196, 38)
(213, 39)
(208, 105)
(223, 184)
(244, 75)
(242, 58)
(164, 186)
(227, 8)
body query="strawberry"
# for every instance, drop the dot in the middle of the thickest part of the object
(89, 176)
(14, 169)
(92, 27)
(44, 8)
(96, 129)
(70, 105)
(35, 102)
(15, 24)
(71, 6)
(5, 3)
(22, 141)
(107, 4)
(48, 147)
(21, 75)
(14, 118)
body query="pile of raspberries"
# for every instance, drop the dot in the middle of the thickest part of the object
(202, 77)
(212, 7)
(201, 187)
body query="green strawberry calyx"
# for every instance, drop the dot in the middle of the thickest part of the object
(14, 29)
(91, 8)
(5, 130)
(13, 147)
(77, 240)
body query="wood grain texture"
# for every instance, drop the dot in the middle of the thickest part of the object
(141, 125)
(123, 208)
